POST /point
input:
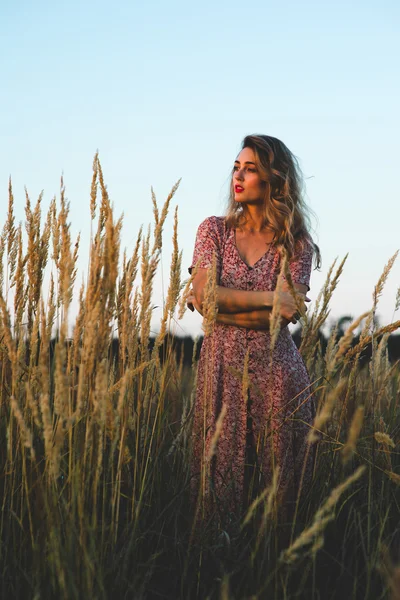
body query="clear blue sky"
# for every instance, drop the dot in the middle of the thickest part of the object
(168, 90)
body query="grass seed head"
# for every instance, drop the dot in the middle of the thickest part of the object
(354, 433)
(384, 439)
(217, 432)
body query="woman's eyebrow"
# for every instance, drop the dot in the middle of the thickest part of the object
(248, 162)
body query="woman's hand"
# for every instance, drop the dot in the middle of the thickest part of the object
(191, 302)
(289, 308)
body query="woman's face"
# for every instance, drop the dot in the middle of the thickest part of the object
(247, 184)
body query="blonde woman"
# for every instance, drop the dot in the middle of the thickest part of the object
(266, 422)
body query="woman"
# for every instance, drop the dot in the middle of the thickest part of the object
(267, 414)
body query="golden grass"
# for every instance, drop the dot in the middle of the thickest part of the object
(96, 437)
(313, 535)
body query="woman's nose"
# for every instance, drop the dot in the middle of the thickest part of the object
(239, 174)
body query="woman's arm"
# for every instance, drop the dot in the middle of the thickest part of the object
(230, 300)
(251, 319)
(256, 319)
(234, 301)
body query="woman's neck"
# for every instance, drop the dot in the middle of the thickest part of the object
(252, 226)
(253, 220)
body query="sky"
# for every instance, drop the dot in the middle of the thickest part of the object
(168, 90)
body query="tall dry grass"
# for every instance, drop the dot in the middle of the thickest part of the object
(95, 436)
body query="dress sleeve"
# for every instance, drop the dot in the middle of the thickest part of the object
(301, 262)
(207, 244)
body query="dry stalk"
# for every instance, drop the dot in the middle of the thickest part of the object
(210, 308)
(94, 185)
(124, 310)
(385, 439)
(160, 220)
(314, 533)
(174, 285)
(313, 324)
(354, 433)
(217, 432)
(67, 258)
(331, 349)
(397, 301)
(354, 352)
(19, 283)
(345, 341)
(187, 290)
(325, 413)
(33, 406)
(37, 252)
(369, 324)
(5, 324)
(2, 249)
(393, 476)
(25, 432)
(275, 317)
(252, 508)
(10, 234)
(391, 573)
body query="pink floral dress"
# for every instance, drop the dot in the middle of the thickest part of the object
(267, 424)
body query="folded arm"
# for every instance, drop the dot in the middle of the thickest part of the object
(230, 300)
(246, 308)
(255, 319)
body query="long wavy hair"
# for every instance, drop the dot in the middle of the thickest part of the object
(285, 211)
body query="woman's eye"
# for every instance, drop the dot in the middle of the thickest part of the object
(247, 169)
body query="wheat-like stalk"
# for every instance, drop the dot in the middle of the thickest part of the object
(397, 301)
(97, 430)
(382, 280)
(346, 340)
(313, 323)
(25, 432)
(354, 352)
(10, 234)
(187, 290)
(384, 438)
(218, 430)
(313, 534)
(174, 285)
(378, 289)
(210, 307)
(325, 413)
(275, 317)
(354, 433)
(393, 476)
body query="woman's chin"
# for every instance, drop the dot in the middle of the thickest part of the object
(248, 201)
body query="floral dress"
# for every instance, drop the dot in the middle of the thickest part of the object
(267, 419)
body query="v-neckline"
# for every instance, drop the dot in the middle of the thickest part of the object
(241, 257)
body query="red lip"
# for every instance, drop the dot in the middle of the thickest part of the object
(238, 189)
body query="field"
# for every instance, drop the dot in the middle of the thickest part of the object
(95, 436)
